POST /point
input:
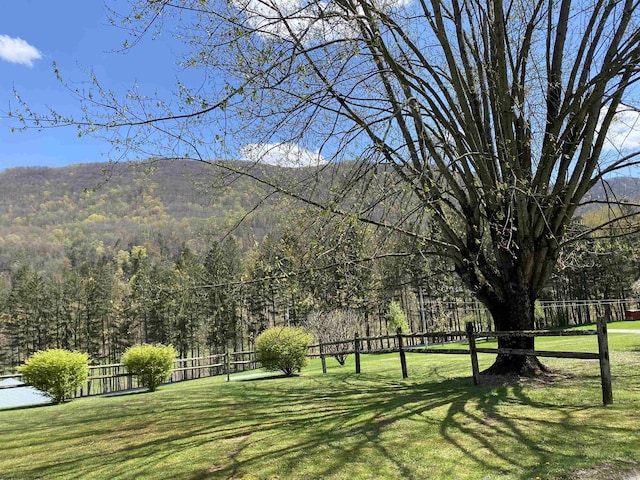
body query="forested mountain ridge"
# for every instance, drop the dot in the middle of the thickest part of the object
(92, 209)
(616, 189)
(97, 257)
(84, 211)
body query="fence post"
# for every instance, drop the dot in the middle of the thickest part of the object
(605, 367)
(474, 354)
(227, 364)
(322, 359)
(403, 358)
(356, 349)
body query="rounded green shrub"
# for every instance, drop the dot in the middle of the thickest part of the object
(283, 348)
(56, 372)
(151, 363)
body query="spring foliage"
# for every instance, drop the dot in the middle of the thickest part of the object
(151, 363)
(396, 318)
(283, 348)
(56, 372)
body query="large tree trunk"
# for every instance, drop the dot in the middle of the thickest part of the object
(514, 312)
(513, 364)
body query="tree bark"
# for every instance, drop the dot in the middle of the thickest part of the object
(514, 312)
(513, 364)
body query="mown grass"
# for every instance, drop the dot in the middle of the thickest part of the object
(623, 325)
(434, 425)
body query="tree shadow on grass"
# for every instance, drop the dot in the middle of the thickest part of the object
(264, 376)
(323, 426)
(514, 435)
(378, 409)
(126, 393)
(29, 407)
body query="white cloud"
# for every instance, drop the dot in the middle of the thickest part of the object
(624, 132)
(304, 19)
(281, 154)
(16, 50)
(293, 18)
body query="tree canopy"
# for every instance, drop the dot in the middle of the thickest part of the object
(492, 115)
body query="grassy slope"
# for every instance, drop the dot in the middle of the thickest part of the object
(435, 425)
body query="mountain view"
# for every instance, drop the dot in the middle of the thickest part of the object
(76, 211)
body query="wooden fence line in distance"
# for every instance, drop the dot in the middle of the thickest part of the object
(471, 335)
(114, 378)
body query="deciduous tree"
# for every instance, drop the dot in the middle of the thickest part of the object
(493, 115)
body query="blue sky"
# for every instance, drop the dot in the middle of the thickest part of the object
(77, 36)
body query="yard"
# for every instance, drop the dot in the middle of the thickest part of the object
(434, 425)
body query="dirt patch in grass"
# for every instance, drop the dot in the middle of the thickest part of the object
(238, 438)
(608, 471)
(540, 380)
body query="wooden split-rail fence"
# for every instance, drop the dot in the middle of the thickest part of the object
(104, 379)
(434, 342)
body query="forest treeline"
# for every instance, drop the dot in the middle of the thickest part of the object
(100, 257)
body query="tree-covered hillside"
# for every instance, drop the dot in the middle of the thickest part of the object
(100, 257)
(87, 211)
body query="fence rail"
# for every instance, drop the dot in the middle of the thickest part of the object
(554, 313)
(114, 378)
(403, 343)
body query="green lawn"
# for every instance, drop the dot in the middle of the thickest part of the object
(433, 425)
(625, 325)
(630, 325)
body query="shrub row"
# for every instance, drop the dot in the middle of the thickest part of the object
(58, 372)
